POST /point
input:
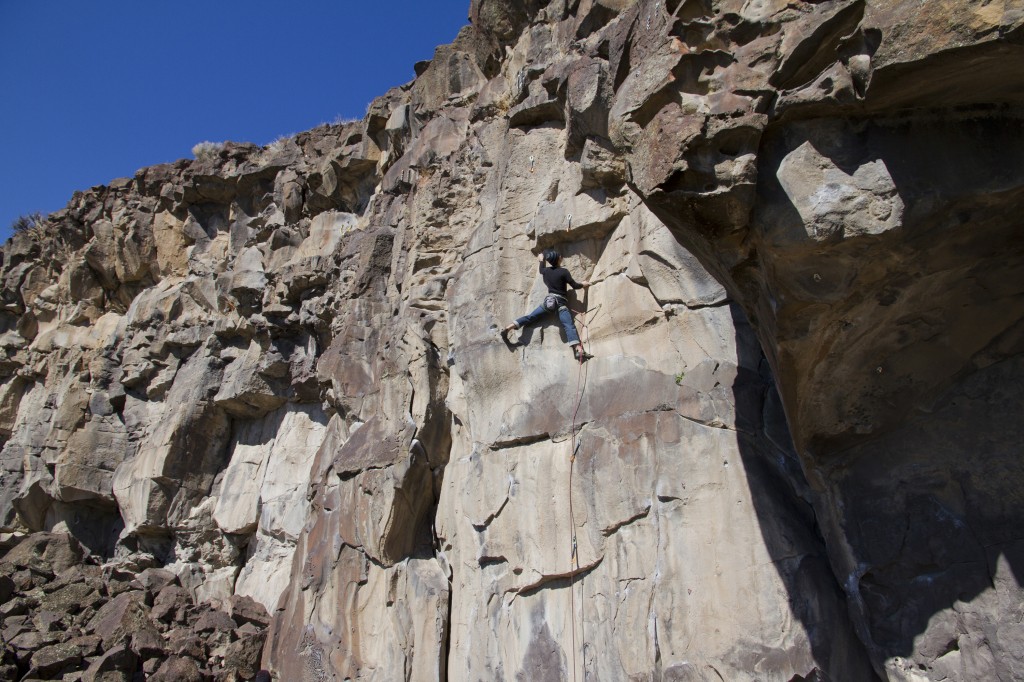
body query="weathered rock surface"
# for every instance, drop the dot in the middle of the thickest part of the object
(863, 217)
(89, 622)
(273, 378)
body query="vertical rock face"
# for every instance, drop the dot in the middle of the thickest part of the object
(277, 370)
(863, 215)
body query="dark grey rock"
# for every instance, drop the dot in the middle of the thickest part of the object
(50, 552)
(177, 669)
(116, 665)
(171, 604)
(243, 655)
(55, 658)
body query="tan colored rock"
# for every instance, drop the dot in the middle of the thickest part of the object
(263, 494)
(277, 372)
(11, 392)
(185, 445)
(403, 643)
(247, 390)
(836, 203)
(834, 254)
(171, 245)
(84, 470)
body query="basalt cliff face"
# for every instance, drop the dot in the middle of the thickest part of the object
(795, 455)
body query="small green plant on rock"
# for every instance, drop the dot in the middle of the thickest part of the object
(679, 378)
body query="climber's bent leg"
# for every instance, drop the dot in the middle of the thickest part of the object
(565, 317)
(530, 317)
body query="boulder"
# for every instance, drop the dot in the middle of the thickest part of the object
(50, 661)
(242, 657)
(72, 598)
(7, 588)
(244, 609)
(171, 604)
(117, 664)
(32, 640)
(148, 643)
(51, 552)
(120, 619)
(177, 669)
(154, 580)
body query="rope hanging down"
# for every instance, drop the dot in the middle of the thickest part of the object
(574, 447)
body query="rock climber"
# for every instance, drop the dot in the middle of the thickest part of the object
(556, 278)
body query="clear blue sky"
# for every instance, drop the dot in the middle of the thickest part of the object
(93, 90)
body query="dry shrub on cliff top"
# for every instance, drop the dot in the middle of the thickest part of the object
(32, 224)
(207, 151)
(280, 143)
(275, 147)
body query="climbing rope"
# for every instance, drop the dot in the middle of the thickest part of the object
(574, 446)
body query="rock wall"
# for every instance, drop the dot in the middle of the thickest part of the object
(277, 370)
(864, 216)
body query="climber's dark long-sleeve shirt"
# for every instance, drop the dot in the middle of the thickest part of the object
(556, 278)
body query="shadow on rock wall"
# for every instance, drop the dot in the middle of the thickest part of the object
(897, 265)
(784, 506)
